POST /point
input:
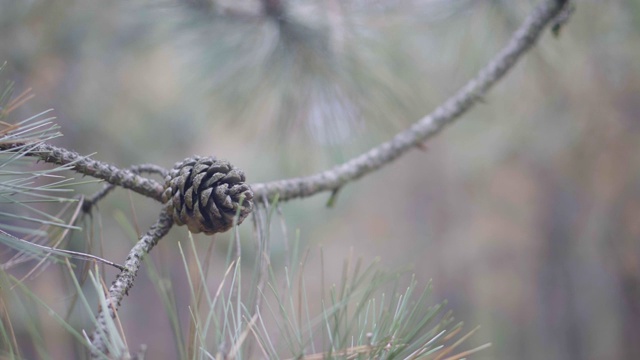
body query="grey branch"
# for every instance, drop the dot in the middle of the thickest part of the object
(124, 281)
(90, 167)
(88, 204)
(330, 180)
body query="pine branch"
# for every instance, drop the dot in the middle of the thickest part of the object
(89, 203)
(87, 166)
(333, 179)
(124, 281)
(547, 13)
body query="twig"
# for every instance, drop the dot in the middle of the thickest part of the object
(88, 204)
(116, 318)
(124, 280)
(87, 166)
(561, 19)
(522, 41)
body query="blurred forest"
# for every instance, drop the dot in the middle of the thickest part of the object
(525, 213)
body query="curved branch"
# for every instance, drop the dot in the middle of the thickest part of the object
(521, 41)
(124, 280)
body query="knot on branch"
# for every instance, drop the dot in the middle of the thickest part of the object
(205, 194)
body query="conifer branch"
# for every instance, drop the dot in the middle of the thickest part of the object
(124, 281)
(88, 204)
(333, 179)
(90, 167)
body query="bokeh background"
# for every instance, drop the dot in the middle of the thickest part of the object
(525, 213)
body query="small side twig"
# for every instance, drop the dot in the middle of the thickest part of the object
(561, 19)
(333, 198)
(124, 281)
(91, 202)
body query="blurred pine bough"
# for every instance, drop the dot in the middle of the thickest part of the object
(24, 188)
(322, 70)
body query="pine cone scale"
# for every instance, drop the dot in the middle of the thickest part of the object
(214, 178)
(197, 181)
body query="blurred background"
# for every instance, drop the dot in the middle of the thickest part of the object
(525, 213)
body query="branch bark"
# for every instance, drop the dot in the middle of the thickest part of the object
(85, 165)
(89, 203)
(124, 281)
(333, 179)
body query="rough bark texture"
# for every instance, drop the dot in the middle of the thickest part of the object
(124, 281)
(90, 167)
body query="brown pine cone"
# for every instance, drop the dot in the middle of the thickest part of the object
(204, 194)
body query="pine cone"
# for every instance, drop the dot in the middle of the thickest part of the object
(204, 193)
